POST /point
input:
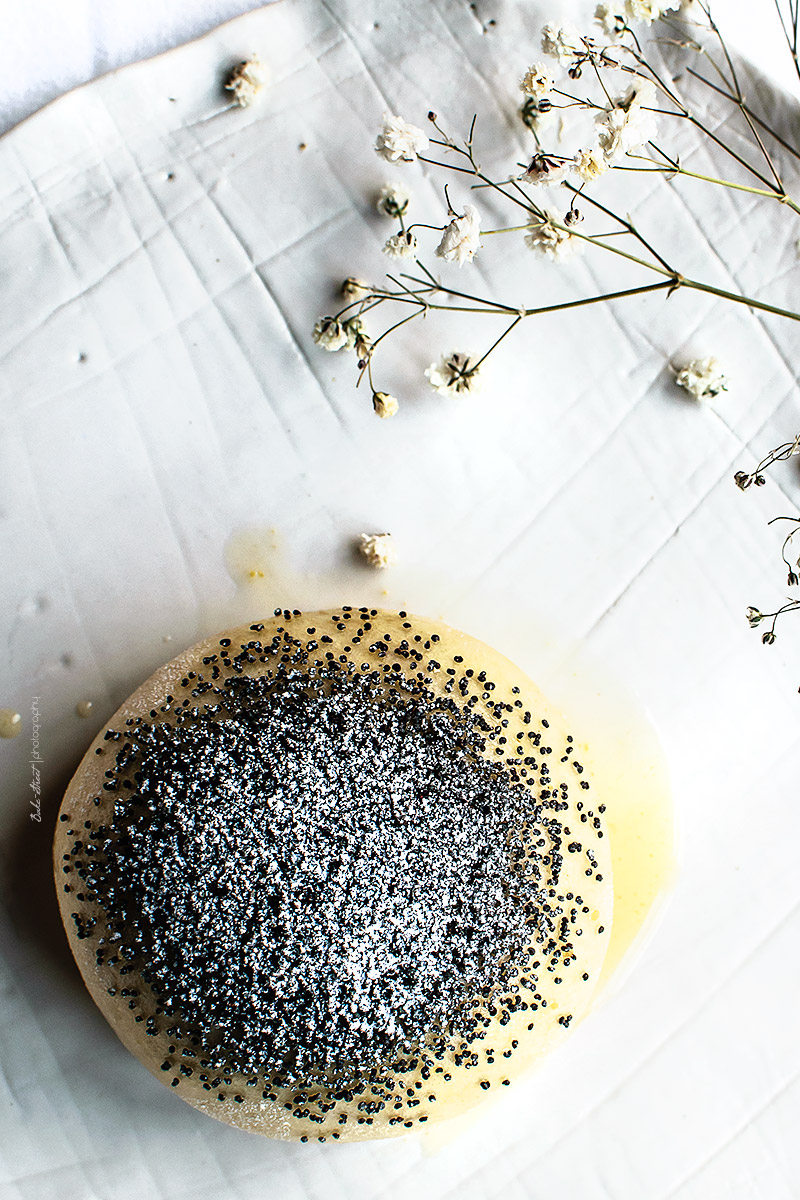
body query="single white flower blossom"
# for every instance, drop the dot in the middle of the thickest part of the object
(702, 378)
(550, 239)
(384, 404)
(642, 10)
(400, 142)
(461, 238)
(355, 289)
(331, 334)
(612, 134)
(628, 124)
(545, 170)
(590, 164)
(537, 82)
(642, 93)
(392, 200)
(454, 374)
(245, 82)
(378, 549)
(401, 245)
(564, 42)
(649, 10)
(611, 17)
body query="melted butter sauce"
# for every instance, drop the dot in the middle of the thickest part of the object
(617, 742)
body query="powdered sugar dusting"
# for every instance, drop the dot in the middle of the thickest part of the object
(321, 871)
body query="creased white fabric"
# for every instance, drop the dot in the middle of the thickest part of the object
(163, 265)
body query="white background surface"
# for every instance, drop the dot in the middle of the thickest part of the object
(49, 46)
(159, 394)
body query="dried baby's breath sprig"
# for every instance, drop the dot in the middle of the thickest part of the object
(769, 636)
(630, 127)
(757, 477)
(746, 479)
(755, 616)
(792, 578)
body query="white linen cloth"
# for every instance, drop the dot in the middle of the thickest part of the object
(163, 264)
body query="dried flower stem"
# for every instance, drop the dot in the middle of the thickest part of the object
(790, 29)
(769, 636)
(407, 296)
(672, 168)
(744, 480)
(745, 107)
(795, 521)
(754, 615)
(758, 305)
(733, 93)
(740, 104)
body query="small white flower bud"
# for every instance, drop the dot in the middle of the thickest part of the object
(384, 404)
